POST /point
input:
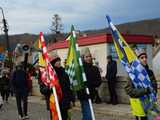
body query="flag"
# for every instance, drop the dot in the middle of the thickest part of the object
(74, 65)
(132, 65)
(38, 55)
(52, 105)
(53, 79)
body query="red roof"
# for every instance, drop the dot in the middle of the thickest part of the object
(103, 38)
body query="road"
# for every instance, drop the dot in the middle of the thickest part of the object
(37, 111)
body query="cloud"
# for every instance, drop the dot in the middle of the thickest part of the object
(33, 16)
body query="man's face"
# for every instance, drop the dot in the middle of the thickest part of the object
(88, 58)
(143, 59)
(108, 60)
(58, 64)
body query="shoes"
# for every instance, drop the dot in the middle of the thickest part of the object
(20, 117)
(98, 102)
(109, 102)
(1, 106)
(113, 103)
(25, 117)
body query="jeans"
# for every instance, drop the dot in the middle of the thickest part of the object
(22, 111)
(141, 118)
(5, 95)
(86, 112)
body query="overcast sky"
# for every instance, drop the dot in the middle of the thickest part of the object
(33, 16)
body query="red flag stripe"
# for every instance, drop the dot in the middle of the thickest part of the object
(52, 75)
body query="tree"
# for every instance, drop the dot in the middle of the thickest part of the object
(56, 26)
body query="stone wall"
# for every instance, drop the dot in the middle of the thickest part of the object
(35, 88)
(122, 96)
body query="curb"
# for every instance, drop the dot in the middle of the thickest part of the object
(118, 112)
(109, 110)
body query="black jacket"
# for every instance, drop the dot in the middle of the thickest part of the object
(65, 86)
(93, 75)
(93, 80)
(111, 70)
(4, 84)
(19, 82)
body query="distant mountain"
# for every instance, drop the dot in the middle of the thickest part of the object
(145, 27)
(25, 38)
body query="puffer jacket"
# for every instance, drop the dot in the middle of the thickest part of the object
(137, 92)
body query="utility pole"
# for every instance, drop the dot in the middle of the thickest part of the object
(5, 31)
(7, 63)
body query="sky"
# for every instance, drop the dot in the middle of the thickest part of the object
(33, 16)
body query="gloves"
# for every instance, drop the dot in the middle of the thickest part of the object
(148, 90)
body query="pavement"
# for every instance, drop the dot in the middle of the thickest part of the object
(117, 112)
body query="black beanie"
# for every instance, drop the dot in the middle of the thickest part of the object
(55, 60)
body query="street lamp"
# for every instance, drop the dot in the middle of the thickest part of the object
(5, 30)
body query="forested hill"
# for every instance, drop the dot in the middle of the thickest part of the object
(145, 27)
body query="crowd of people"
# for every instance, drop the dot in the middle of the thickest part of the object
(17, 82)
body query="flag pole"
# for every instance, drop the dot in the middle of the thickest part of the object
(90, 104)
(45, 53)
(56, 99)
(87, 90)
(79, 60)
(57, 103)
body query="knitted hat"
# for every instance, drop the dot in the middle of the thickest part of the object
(85, 51)
(54, 58)
(109, 57)
(140, 52)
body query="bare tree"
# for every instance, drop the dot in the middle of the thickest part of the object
(56, 26)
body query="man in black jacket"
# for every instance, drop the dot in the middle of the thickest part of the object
(111, 77)
(93, 81)
(65, 86)
(20, 86)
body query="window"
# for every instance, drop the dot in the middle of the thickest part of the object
(112, 50)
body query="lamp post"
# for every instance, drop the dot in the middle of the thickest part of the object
(5, 30)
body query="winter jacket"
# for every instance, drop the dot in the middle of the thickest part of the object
(65, 86)
(19, 82)
(137, 92)
(4, 83)
(111, 71)
(93, 80)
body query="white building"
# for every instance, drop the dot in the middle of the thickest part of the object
(101, 45)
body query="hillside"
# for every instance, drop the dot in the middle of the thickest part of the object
(146, 27)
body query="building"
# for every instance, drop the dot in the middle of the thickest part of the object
(102, 45)
(156, 58)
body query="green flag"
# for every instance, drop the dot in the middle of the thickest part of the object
(74, 65)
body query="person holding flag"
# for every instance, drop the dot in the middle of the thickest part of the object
(138, 92)
(145, 105)
(65, 86)
(56, 79)
(92, 74)
(75, 69)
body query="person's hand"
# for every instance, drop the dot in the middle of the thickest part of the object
(148, 90)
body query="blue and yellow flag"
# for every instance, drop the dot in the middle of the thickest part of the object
(132, 65)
